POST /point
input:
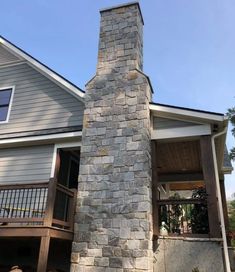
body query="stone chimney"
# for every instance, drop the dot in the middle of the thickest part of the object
(113, 222)
(121, 39)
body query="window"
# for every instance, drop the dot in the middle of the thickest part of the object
(6, 95)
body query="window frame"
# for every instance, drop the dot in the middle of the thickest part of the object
(10, 102)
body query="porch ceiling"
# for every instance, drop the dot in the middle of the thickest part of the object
(178, 157)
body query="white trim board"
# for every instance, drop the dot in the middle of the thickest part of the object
(56, 147)
(57, 136)
(44, 70)
(172, 133)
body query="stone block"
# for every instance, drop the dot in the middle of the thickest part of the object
(86, 261)
(104, 261)
(115, 262)
(141, 263)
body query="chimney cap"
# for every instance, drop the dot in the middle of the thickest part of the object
(125, 5)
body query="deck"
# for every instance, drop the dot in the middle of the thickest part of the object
(43, 210)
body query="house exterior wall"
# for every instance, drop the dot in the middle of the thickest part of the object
(26, 164)
(38, 103)
(165, 123)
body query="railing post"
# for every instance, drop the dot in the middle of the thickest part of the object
(71, 209)
(50, 203)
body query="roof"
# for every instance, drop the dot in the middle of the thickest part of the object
(219, 121)
(189, 112)
(45, 70)
(184, 108)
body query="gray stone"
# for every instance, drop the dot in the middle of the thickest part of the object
(115, 262)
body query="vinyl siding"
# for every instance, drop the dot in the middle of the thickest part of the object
(165, 123)
(6, 56)
(26, 164)
(38, 103)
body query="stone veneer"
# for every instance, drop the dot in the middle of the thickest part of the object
(113, 222)
(186, 255)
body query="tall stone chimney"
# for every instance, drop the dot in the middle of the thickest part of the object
(113, 228)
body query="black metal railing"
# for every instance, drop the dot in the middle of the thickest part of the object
(48, 204)
(183, 216)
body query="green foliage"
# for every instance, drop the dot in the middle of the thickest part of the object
(231, 116)
(195, 269)
(231, 212)
(199, 214)
(176, 213)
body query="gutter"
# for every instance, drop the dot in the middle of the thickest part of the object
(221, 213)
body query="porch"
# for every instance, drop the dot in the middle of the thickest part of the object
(40, 211)
(185, 199)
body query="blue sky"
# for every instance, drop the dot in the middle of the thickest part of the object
(189, 46)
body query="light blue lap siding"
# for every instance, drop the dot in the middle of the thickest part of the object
(6, 56)
(26, 164)
(38, 103)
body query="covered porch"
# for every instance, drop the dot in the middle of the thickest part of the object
(188, 193)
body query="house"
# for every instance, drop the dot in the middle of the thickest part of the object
(89, 180)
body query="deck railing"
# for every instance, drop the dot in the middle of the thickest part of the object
(37, 204)
(184, 216)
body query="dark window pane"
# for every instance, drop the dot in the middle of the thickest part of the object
(3, 113)
(5, 96)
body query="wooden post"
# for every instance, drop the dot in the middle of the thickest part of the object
(154, 189)
(225, 210)
(50, 203)
(210, 181)
(45, 240)
(43, 254)
(57, 165)
(224, 202)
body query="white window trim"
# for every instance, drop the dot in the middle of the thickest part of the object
(56, 147)
(10, 103)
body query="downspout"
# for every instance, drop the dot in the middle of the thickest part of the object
(221, 213)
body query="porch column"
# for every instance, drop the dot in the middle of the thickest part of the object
(43, 254)
(224, 202)
(210, 181)
(154, 189)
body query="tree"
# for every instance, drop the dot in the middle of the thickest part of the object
(231, 116)
(231, 213)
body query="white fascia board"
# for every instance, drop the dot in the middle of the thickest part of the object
(44, 70)
(188, 113)
(49, 137)
(172, 133)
